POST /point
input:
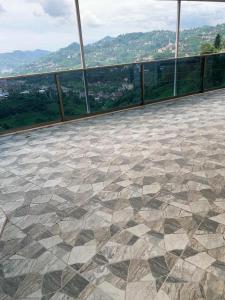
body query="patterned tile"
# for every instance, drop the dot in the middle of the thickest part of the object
(125, 206)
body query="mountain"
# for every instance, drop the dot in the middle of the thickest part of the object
(190, 39)
(17, 59)
(125, 48)
(65, 58)
(122, 49)
(128, 47)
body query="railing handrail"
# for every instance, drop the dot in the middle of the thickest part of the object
(106, 66)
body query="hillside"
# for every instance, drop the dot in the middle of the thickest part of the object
(122, 49)
(17, 59)
(125, 48)
(189, 39)
(62, 59)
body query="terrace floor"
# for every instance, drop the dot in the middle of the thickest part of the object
(126, 206)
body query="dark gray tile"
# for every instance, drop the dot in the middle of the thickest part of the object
(158, 267)
(75, 286)
(120, 269)
(84, 237)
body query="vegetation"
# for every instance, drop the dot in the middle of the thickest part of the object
(33, 100)
(125, 48)
(217, 42)
(19, 59)
(207, 48)
(217, 46)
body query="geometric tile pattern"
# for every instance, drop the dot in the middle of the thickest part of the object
(3, 220)
(126, 206)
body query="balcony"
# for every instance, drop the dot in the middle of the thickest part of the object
(112, 150)
(128, 205)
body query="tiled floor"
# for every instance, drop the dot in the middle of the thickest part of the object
(129, 206)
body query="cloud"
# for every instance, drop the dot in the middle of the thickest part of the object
(126, 16)
(2, 10)
(51, 24)
(199, 14)
(56, 8)
(89, 19)
(26, 26)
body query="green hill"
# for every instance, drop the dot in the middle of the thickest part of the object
(125, 48)
(19, 59)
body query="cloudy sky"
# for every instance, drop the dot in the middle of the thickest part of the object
(50, 24)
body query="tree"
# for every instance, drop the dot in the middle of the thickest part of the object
(217, 42)
(207, 48)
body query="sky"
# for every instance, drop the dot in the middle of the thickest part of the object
(51, 24)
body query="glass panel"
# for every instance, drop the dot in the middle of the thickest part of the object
(159, 80)
(202, 28)
(73, 94)
(188, 75)
(215, 71)
(117, 32)
(114, 87)
(28, 101)
(38, 36)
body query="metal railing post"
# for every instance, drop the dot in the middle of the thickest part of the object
(60, 97)
(175, 78)
(203, 64)
(142, 84)
(86, 90)
(82, 54)
(177, 46)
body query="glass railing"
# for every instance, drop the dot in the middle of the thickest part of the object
(215, 71)
(30, 101)
(189, 75)
(73, 94)
(158, 80)
(113, 88)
